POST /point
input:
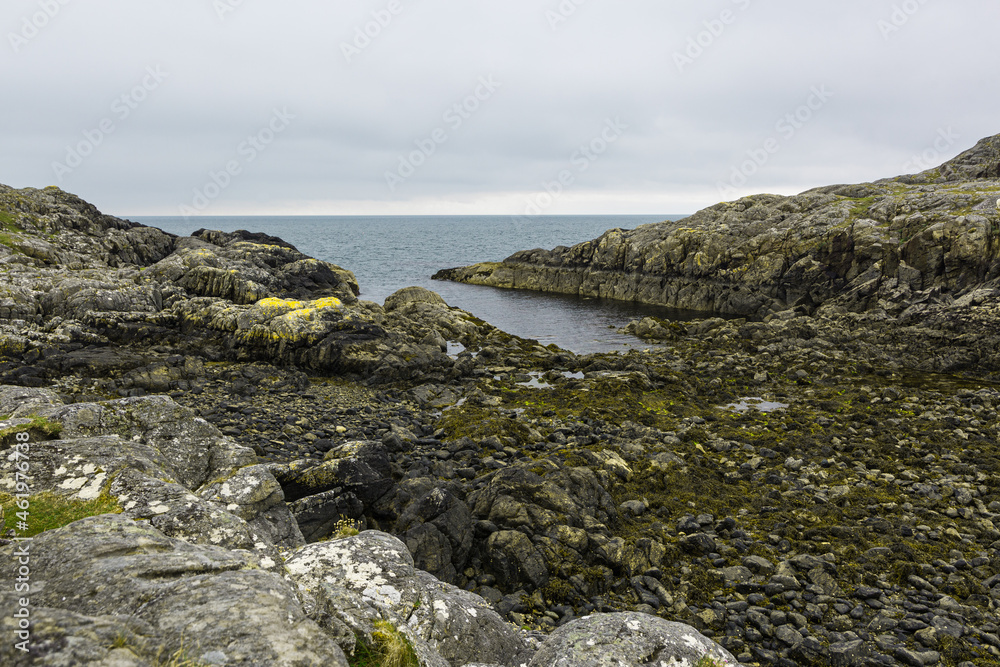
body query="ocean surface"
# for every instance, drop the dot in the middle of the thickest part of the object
(387, 253)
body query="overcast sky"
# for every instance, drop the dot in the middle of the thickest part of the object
(219, 107)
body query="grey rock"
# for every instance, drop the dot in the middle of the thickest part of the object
(617, 640)
(177, 595)
(513, 559)
(849, 654)
(461, 626)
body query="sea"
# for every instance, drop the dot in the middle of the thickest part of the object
(387, 253)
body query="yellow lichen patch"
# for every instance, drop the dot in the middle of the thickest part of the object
(280, 304)
(296, 307)
(328, 302)
(277, 319)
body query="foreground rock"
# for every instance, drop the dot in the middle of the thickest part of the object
(626, 639)
(109, 589)
(204, 562)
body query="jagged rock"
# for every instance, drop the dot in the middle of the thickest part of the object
(463, 627)
(371, 575)
(166, 596)
(154, 466)
(513, 559)
(338, 488)
(73, 275)
(615, 640)
(437, 529)
(889, 244)
(516, 499)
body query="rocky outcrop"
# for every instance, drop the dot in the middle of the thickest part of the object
(80, 288)
(109, 590)
(888, 245)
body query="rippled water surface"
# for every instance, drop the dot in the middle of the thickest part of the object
(392, 252)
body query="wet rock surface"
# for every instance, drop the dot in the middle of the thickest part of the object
(816, 486)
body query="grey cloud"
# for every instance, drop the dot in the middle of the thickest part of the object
(753, 63)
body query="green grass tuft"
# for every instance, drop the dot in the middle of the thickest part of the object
(390, 649)
(47, 511)
(38, 426)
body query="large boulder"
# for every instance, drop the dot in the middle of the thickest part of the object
(436, 526)
(107, 582)
(562, 512)
(161, 464)
(352, 581)
(627, 640)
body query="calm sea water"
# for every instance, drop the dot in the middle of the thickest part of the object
(391, 252)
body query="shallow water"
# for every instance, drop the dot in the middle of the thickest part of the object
(755, 403)
(392, 252)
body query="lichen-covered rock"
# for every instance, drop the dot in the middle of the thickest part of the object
(73, 275)
(461, 626)
(193, 450)
(154, 465)
(627, 640)
(361, 577)
(887, 244)
(21, 401)
(198, 600)
(358, 579)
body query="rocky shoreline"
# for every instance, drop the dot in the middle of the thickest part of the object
(241, 406)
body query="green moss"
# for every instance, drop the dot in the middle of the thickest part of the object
(47, 511)
(39, 428)
(558, 591)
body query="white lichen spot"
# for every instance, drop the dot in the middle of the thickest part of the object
(158, 509)
(73, 483)
(232, 507)
(633, 626)
(382, 594)
(61, 470)
(226, 491)
(267, 563)
(472, 612)
(93, 489)
(130, 504)
(441, 610)
(691, 641)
